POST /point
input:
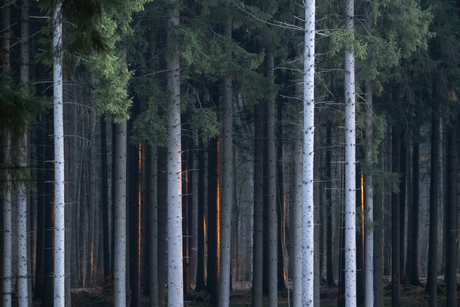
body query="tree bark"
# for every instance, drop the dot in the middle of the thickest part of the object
(432, 280)
(202, 200)
(402, 204)
(378, 237)
(395, 223)
(227, 179)
(452, 214)
(162, 224)
(329, 234)
(120, 235)
(175, 268)
(350, 169)
(308, 154)
(153, 218)
(413, 220)
(105, 199)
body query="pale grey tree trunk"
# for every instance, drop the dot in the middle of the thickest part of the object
(227, 180)
(175, 266)
(153, 258)
(7, 198)
(7, 229)
(120, 235)
(350, 169)
(59, 181)
(271, 174)
(369, 201)
(308, 260)
(23, 259)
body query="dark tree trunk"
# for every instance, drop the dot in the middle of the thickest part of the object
(402, 205)
(41, 209)
(193, 224)
(413, 219)
(105, 199)
(329, 234)
(257, 284)
(395, 224)
(47, 295)
(341, 292)
(162, 220)
(134, 176)
(213, 222)
(281, 207)
(452, 214)
(378, 238)
(360, 233)
(432, 283)
(202, 200)
(114, 143)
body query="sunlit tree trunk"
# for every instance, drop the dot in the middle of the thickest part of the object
(59, 180)
(308, 154)
(175, 282)
(369, 201)
(120, 235)
(227, 180)
(350, 169)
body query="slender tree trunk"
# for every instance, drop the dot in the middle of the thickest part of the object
(369, 202)
(413, 220)
(24, 290)
(59, 180)
(105, 199)
(194, 208)
(153, 258)
(378, 238)
(350, 161)
(120, 236)
(258, 208)
(452, 214)
(162, 224)
(432, 280)
(185, 215)
(329, 233)
(395, 224)
(202, 200)
(227, 180)
(402, 204)
(271, 174)
(308, 154)
(175, 270)
(7, 198)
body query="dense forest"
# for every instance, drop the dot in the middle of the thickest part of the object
(181, 152)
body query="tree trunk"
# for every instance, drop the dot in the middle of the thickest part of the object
(350, 161)
(258, 207)
(227, 180)
(378, 237)
(153, 218)
(413, 219)
(308, 154)
(185, 219)
(432, 277)
(194, 207)
(120, 236)
(59, 180)
(395, 224)
(452, 214)
(105, 199)
(162, 224)
(175, 270)
(202, 200)
(329, 234)
(23, 215)
(402, 204)
(369, 202)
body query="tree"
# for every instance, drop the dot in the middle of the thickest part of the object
(308, 154)
(350, 169)
(175, 282)
(227, 178)
(59, 180)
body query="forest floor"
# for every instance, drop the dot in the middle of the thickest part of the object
(241, 297)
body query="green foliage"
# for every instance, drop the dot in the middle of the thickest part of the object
(205, 121)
